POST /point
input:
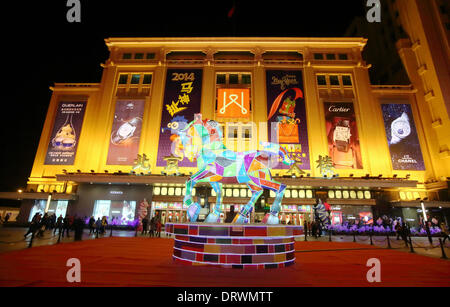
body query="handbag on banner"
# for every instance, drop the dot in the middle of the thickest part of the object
(288, 131)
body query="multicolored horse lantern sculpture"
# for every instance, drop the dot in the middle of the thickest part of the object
(202, 141)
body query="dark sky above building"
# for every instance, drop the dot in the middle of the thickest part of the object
(39, 48)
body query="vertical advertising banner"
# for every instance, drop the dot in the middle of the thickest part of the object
(286, 118)
(66, 133)
(343, 139)
(401, 134)
(126, 132)
(182, 96)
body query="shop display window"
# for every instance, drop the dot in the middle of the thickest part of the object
(124, 211)
(58, 207)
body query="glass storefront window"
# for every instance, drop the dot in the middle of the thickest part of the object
(243, 192)
(309, 194)
(294, 194)
(157, 191)
(345, 194)
(331, 194)
(58, 208)
(178, 191)
(338, 194)
(360, 194)
(123, 211)
(171, 191)
(287, 194)
(367, 194)
(301, 194)
(352, 194)
(164, 191)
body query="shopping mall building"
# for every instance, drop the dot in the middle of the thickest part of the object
(107, 148)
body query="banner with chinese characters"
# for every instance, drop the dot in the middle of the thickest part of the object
(65, 136)
(343, 139)
(286, 118)
(401, 134)
(126, 132)
(182, 98)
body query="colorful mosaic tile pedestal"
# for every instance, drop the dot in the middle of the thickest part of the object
(250, 246)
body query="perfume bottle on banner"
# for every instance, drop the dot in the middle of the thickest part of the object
(65, 138)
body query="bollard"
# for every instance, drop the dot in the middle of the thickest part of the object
(59, 236)
(96, 234)
(306, 235)
(354, 236)
(31, 241)
(411, 245)
(329, 235)
(444, 256)
(370, 235)
(388, 240)
(135, 234)
(110, 234)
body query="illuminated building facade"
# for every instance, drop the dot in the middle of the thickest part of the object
(107, 147)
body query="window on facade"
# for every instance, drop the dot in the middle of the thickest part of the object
(347, 80)
(135, 79)
(138, 56)
(334, 80)
(126, 56)
(318, 56)
(147, 79)
(246, 79)
(247, 132)
(343, 56)
(221, 79)
(234, 79)
(331, 56)
(321, 80)
(150, 56)
(123, 79)
(232, 132)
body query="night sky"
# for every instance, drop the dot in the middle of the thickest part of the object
(40, 48)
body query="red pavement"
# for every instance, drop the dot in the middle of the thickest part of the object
(148, 262)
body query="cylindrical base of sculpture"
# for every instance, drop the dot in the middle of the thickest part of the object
(249, 246)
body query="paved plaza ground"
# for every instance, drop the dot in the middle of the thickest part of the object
(125, 260)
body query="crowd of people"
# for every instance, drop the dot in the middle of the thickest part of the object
(42, 222)
(152, 226)
(384, 224)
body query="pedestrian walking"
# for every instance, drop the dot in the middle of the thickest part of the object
(152, 226)
(145, 225)
(305, 228)
(104, 224)
(58, 224)
(445, 232)
(91, 225)
(158, 228)
(34, 225)
(66, 227)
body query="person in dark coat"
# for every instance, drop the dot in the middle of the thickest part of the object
(91, 225)
(305, 228)
(230, 215)
(145, 225)
(58, 224)
(78, 227)
(34, 225)
(66, 226)
(158, 228)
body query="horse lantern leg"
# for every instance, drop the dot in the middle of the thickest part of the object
(272, 217)
(193, 207)
(214, 216)
(243, 215)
